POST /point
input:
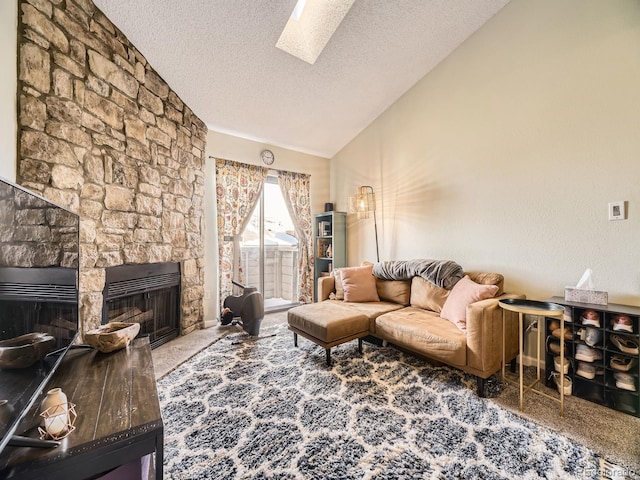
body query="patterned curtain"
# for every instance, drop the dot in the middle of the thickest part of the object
(296, 193)
(238, 188)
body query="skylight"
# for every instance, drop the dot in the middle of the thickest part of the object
(297, 10)
(311, 26)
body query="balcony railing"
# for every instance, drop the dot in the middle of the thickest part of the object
(280, 272)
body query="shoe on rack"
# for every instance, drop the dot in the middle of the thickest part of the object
(567, 315)
(553, 346)
(626, 345)
(587, 354)
(564, 368)
(568, 335)
(586, 370)
(553, 325)
(625, 381)
(592, 336)
(624, 364)
(590, 317)
(622, 323)
(568, 384)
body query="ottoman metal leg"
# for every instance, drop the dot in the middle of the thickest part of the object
(328, 356)
(295, 339)
(360, 345)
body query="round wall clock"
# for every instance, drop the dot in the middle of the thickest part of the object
(267, 157)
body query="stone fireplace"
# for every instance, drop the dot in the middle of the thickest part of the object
(102, 134)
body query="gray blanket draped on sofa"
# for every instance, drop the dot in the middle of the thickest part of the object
(443, 273)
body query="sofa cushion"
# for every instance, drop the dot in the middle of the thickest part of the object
(359, 284)
(424, 332)
(371, 310)
(425, 294)
(395, 291)
(465, 292)
(485, 278)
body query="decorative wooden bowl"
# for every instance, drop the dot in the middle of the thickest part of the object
(25, 350)
(112, 336)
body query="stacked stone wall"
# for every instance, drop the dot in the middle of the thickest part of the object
(33, 234)
(102, 134)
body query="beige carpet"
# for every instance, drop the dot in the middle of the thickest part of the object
(611, 433)
(170, 355)
(604, 430)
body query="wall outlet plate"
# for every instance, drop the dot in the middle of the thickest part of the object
(617, 211)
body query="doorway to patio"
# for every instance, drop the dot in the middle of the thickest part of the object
(269, 249)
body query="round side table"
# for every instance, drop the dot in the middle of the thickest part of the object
(532, 307)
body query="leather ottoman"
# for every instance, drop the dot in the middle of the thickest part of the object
(327, 325)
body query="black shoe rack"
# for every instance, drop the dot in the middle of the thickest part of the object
(603, 387)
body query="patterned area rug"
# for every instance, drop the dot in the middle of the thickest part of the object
(263, 409)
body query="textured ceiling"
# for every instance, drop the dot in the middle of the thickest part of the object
(220, 57)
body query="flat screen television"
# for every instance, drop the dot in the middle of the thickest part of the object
(39, 259)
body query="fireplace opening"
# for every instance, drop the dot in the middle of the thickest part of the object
(39, 300)
(148, 294)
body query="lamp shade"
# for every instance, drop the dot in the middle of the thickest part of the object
(363, 202)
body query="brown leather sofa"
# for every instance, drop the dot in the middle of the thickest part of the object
(407, 316)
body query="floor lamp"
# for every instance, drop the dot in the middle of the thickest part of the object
(363, 202)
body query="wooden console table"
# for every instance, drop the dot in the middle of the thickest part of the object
(119, 419)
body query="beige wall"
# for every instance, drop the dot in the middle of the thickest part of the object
(505, 156)
(8, 39)
(229, 147)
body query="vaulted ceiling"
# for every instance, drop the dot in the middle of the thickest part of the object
(220, 56)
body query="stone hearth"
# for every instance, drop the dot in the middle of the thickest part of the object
(101, 133)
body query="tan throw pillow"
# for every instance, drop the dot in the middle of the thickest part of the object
(359, 284)
(485, 278)
(395, 291)
(463, 293)
(425, 294)
(339, 295)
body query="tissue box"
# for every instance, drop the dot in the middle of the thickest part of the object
(578, 295)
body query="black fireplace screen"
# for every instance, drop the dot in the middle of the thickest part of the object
(147, 294)
(50, 306)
